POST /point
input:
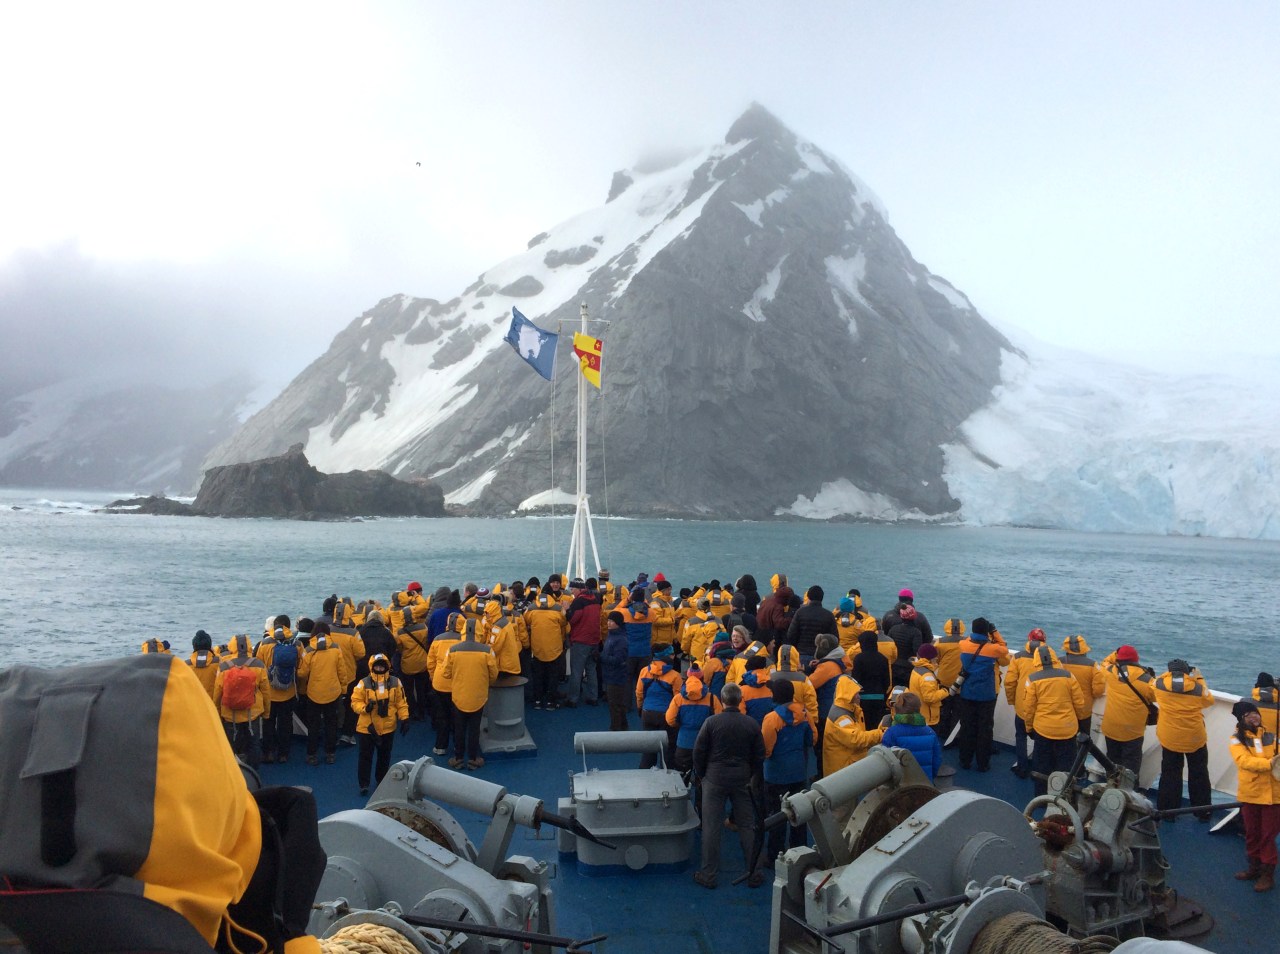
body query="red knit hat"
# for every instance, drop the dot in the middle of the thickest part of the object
(659, 578)
(1126, 654)
(1036, 635)
(414, 587)
(905, 594)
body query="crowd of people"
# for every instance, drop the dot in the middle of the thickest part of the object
(758, 694)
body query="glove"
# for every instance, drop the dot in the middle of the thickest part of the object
(368, 709)
(289, 869)
(404, 728)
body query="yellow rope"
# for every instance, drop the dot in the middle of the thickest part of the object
(367, 939)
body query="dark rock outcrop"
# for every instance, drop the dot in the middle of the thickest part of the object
(288, 486)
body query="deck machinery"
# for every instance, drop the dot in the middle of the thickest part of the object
(899, 867)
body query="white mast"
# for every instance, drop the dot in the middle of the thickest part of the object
(576, 565)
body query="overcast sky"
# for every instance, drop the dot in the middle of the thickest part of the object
(186, 188)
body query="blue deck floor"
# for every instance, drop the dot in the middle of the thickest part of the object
(666, 912)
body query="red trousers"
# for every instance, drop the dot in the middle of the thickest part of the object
(1261, 826)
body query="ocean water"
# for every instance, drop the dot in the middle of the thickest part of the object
(81, 585)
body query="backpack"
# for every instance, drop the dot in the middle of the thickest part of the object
(284, 662)
(240, 688)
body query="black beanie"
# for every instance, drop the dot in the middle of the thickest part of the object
(305, 624)
(1265, 681)
(1241, 707)
(329, 603)
(980, 626)
(202, 640)
(616, 617)
(815, 593)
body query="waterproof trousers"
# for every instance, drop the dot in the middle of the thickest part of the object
(1021, 745)
(1128, 754)
(977, 722)
(277, 730)
(442, 720)
(246, 740)
(326, 717)
(781, 837)
(620, 701)
(466, 734)
(1261, 826)
(1051, 755)
(369, 745)
(1169, 795)
(417, 692)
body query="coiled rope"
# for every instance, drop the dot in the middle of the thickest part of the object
(367, 939)
(1023, 933)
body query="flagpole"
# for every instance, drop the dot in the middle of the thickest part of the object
(582, 530)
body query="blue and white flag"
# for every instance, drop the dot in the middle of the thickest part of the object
(536, 346)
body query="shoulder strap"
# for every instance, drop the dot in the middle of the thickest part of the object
(1124, 677)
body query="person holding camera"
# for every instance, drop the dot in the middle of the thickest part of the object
(379, 701)
(1182, 697)
(1130, 701)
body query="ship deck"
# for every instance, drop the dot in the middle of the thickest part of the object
(665, 911)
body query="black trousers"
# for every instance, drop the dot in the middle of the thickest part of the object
(620, 699)
(1169, 794)
(1128, 754)
(466, 734)
(277, 729)
(442, 718)
(369, 744)
(947, 717)
(546, 679)
(1051, 755)
(325, 717)
(348, 714)
(246, 740)
(977, 722)
(417, 692)
(652, 720)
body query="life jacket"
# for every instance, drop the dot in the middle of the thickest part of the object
(284, 665)
(240, 687)
(203, 658)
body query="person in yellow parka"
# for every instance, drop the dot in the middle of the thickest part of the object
(1182, 697)
(927, 687)
(1021, 665)
(1076, 660)
(846, 739)
(241, 693)
(158, 646)
(441, 684)
(280, 653)
(948, 646)
(1129, 698)
(1053, 697)
(327, 673)
(548, 634)
(1253, 750)
(471, 668)
(787, 668)
(700, 632)
(204, 661)
(662, 615)
(508, 636)
(738, 665)
(379, 701)
(412, 643)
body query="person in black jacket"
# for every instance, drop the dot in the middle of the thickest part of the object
(908, 638)
(810, 620)
(746, 588)
(727, 755)
(871, 670)
(891, 618)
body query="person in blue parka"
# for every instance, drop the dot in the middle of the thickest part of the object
(910, 731)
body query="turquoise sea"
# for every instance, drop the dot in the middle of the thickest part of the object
(80, 585)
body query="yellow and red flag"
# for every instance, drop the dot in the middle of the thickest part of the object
(589, 351)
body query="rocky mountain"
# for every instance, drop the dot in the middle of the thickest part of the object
(768, 339)
(93, 433)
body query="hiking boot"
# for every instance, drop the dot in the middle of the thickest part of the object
(475, 763)
(330, 758)
(537, 704)
(364, 791)
(439, 751)
(455, 763)
(312, 760)
(569, 705)
(282, 759)
(1019, 771)
(1251, 873)
(755, 879)
(707, 881)
(1266, 880)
